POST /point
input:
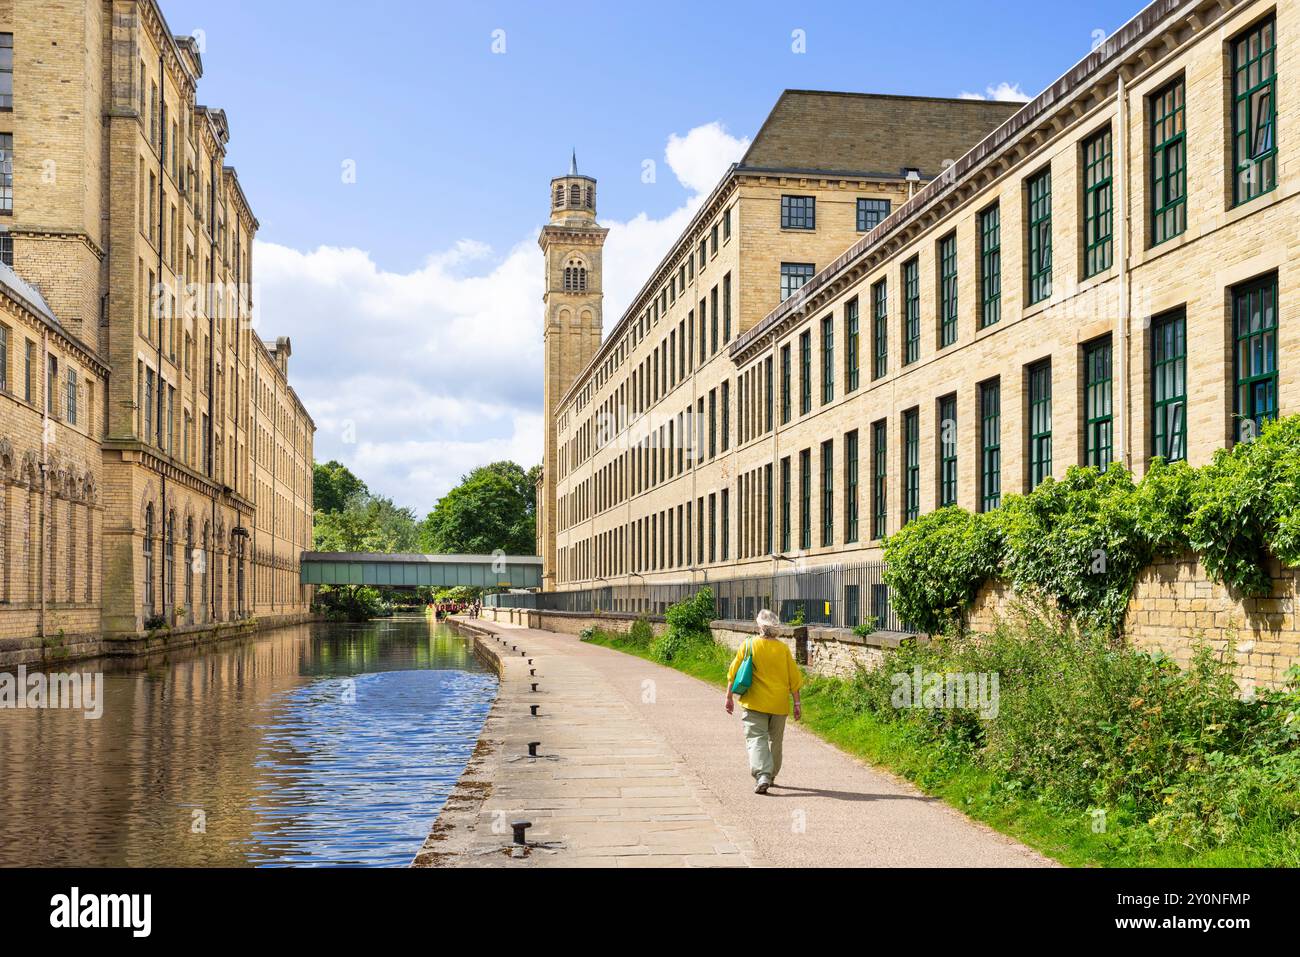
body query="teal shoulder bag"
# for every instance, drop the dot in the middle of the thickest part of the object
(745, 673)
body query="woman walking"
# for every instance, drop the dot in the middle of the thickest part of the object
(773, 679)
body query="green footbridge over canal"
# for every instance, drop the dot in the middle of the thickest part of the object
(415, 571)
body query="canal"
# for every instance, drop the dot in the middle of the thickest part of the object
(309, 745)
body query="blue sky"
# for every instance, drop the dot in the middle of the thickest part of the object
(454, 145)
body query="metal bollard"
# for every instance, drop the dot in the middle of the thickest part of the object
(533, 709)
(519, 828)
(534, 685)
(532, 748)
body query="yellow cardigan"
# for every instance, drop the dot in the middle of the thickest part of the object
(776, 676)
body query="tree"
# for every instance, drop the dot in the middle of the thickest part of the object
(493, 507)
(365, 523)
(333, 484)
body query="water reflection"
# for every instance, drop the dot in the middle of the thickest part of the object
(313, 744)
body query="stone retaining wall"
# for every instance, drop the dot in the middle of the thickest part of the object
(824, 651)
(1175, 604)
(572, 622)
(63, 649)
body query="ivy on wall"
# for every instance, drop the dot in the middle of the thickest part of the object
(1084, 540)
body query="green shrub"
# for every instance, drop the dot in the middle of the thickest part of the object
(641, 634)
(1080, 541)
(1082, 724)
(688, 625)
(1164, 504)
(935, 564)
(1246, 501)
(1083, 541)
(867, 627)
(797, 618)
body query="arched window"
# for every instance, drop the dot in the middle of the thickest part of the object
(189, 567)
(230, 571)
(575, 276)
(29, 543)
(218, 574)
(239, 577)
(169, 565)
(90, 551)
(4, 539)
(591, 197)
(52, 549)
(575, 196)
(148, 561)
(72, 551)
(202, 559)
(559, 196)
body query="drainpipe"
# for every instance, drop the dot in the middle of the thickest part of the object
(775, 401)
(45, 481)
(212, 384)
(158, 430)
(695, 366)
(1122, 444)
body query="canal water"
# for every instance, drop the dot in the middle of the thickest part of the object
(310, 745)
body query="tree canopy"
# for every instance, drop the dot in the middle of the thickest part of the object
(493, 507)
(333, 484)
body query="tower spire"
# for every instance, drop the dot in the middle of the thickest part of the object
(573, 163)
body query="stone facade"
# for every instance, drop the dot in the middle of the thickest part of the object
(139, 238)
(866, 451)
(52, 489)
(663, 380)
(1176, 603)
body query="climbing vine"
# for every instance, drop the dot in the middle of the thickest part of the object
(1084, 540)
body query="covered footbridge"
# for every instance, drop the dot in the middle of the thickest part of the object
(415, 571)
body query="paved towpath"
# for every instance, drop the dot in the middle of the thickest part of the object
(639, 765)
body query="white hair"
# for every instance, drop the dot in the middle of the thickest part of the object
(767, 623)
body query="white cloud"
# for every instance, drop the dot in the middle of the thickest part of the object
(699, 158)
(1008, 92)
(415, 378)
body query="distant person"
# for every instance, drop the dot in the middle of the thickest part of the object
(775, 678)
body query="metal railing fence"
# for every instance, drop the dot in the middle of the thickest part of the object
(834, 596)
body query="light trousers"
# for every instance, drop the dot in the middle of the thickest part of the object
(763, 735)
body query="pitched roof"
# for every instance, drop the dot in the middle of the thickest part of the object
(28, 295)
(870, 133)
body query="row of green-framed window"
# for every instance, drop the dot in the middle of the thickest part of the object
(800, 212)
(1254, 121)
(1254, 318)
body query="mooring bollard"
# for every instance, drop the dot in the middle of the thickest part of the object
(519, 828)
(532, 672)
(534, 685)
(533, 709)
(532, 748)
